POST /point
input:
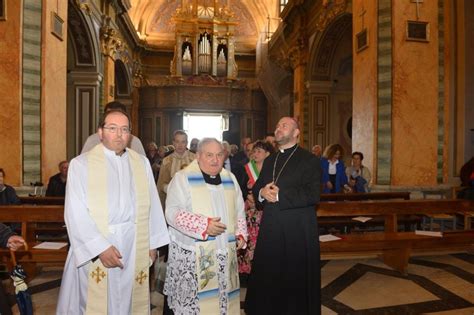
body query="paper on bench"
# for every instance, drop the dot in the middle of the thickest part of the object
(50, 245)
(328, 238)
(362, 219)
(429, 233)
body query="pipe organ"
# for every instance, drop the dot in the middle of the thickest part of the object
(205, 40)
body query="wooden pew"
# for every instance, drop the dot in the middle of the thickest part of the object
(405, 195)
(347, 224)
(41, 200)
(30, 217)
(395, 247)
(48, 231)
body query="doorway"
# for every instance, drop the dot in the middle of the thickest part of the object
(205, 125)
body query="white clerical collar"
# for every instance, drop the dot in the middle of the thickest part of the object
(112, 153)
(289, 148)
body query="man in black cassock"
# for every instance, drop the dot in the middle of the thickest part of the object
(286, 276)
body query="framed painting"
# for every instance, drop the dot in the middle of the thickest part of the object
(418, 31)
(3, 10)
(57, 25)
(362, 40)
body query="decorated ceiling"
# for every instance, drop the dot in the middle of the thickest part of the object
(153, 19)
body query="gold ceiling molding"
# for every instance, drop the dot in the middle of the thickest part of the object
(330, 10)
(83, 5)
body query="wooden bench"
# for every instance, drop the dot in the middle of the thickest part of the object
(41, 200)
(30, 217)
(405, 195)
(395, 247)
(346, 224)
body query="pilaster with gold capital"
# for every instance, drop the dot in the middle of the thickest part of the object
(110, 42)
(298, 58)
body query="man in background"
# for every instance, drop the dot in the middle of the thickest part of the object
(174, 162)
(57, 183)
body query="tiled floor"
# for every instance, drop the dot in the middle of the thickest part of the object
(434, 285)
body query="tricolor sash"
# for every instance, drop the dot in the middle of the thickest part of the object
(252, 172)
(209, 258)
(97, 291)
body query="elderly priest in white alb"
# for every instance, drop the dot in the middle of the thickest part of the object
(205, 211)
(115, 223)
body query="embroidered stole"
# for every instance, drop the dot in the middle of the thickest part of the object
(98, 209)
(252, 171)
(207, 264)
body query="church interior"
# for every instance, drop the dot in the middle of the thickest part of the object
(393, 79)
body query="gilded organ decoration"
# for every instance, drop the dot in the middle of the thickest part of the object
(205, 39)
(205, 9)
(205, 57)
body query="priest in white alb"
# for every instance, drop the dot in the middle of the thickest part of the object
(115, 223)
(205, 211)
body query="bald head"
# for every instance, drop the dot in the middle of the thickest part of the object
(287, 132)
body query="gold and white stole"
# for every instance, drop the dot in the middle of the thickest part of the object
(97, 203)
(206, 251)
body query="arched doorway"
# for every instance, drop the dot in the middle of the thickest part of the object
(330, 86)
(84, 79)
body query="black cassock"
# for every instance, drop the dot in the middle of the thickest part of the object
(286, 276)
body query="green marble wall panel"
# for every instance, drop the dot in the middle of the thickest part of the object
(384, 92)
(31, 90)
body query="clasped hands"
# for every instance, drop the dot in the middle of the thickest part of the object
(110, 257)
(215, 227)
(14, 242)
(270, 192)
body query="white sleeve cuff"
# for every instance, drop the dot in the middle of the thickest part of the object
(91, 249)
(260, 196)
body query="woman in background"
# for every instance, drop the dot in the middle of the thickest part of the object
(333, 177)
(359, 175)
(261, 150)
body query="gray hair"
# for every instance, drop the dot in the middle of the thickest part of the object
(206, 141)
(226, 146)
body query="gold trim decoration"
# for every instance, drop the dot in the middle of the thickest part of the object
(141, 277)
(98, 274)
(83, 5)
(110, 42)
(330, 9)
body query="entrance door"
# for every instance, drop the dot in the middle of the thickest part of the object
(205, 125)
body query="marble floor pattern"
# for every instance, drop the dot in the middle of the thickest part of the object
(439, 285)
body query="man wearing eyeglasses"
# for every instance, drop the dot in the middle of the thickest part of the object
(134, 143)
(115, 223)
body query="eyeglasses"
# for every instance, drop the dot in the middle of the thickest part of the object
(115, 129)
